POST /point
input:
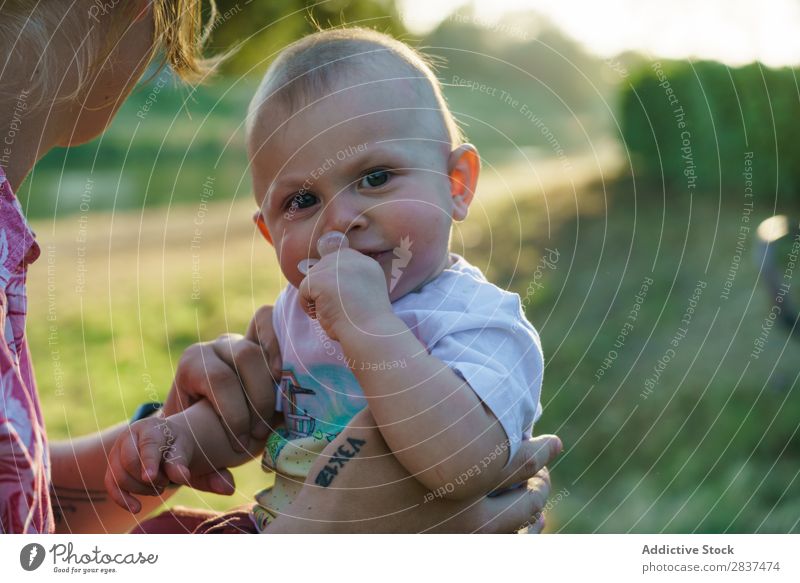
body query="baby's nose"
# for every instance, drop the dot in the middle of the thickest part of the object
(343, 214)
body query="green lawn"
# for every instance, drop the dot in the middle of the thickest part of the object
(113, 342)
(709, 443)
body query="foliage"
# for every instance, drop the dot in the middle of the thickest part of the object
(727, 113)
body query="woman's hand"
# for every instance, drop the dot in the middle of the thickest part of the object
(237, 375)
(357, 485)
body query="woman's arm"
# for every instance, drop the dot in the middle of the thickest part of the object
(371, 491)
(80, 501)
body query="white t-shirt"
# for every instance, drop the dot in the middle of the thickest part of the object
(470, 324)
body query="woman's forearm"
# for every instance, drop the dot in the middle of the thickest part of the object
(79, 498)
(370, 491)
(365, 491)
(431, 419)
(80, 501)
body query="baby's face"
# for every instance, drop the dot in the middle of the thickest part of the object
(358, 163)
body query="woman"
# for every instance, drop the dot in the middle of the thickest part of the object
(66, 73)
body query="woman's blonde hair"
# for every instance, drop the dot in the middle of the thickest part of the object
(28, 27)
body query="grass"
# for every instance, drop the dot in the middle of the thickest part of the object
(713, 447)
(116, 342)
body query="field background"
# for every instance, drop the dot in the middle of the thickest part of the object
(129, 233)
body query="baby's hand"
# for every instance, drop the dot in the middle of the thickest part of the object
(148, 456)
(345, 289)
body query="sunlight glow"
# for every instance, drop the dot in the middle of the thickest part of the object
(732, 31)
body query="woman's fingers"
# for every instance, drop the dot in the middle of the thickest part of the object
(219, 482)
(191, 382)
(176, 458)
(118, 482)
(202, 374)
(532, 455)
(120, 497)
(178, 472)
(517, 508)
(262, 332)
(536, 528)
(251, 366)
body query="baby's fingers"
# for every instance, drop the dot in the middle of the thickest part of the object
(306, 299)
(117, 481)
(142, 449)
(176, 458)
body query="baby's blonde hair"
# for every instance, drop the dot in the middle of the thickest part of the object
(309, 68)
(30, 25)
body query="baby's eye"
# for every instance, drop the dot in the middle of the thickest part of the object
(374, 179)
(301, 200)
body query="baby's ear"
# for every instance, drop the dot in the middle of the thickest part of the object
(463, 168)
(258, 219)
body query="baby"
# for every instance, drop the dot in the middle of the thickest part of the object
(359, 171)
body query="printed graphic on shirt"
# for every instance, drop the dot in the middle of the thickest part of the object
(315, 405)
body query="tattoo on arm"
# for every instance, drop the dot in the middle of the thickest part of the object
(67, 500)
(343, 455)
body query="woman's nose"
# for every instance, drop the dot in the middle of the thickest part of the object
(344, 214)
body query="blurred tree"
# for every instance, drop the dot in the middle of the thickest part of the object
(260, 28)
(524, 51)
(697, 122)
(520, 82)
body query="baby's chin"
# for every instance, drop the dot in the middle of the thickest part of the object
(404, 284)
(399, 285)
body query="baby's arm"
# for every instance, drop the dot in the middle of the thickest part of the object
(212, 449)
(436, 425)
(186, 448)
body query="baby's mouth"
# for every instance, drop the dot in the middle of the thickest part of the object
(376, 255)
(305, 264)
